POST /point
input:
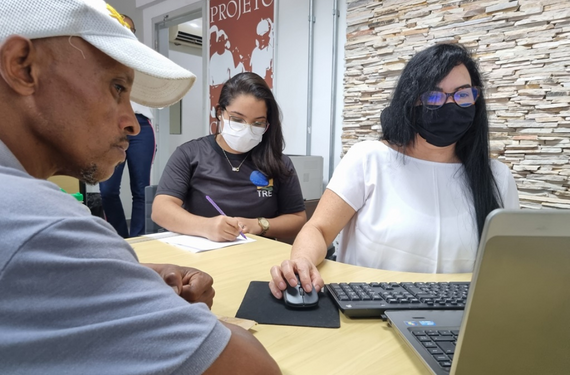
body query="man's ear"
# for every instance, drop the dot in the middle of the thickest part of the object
(17, 57)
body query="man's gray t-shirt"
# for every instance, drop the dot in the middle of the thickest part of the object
(75, 300)
(199, 168)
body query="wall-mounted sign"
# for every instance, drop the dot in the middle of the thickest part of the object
(242, 36)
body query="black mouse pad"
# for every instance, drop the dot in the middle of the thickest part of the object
(260, 305)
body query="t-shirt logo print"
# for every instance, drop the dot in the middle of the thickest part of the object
(116, 15)
(264, 186)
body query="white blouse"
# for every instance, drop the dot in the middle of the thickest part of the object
(411, 215)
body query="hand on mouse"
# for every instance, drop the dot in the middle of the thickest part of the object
(189, 283)
(307, 271)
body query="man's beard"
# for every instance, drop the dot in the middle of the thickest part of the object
(89, 175)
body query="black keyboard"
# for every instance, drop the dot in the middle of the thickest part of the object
(369, 300)
(440, 343)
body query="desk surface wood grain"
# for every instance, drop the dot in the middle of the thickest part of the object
(360, 346)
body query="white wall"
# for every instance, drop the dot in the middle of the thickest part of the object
(193, 103)
(291, 73)
(291, 83)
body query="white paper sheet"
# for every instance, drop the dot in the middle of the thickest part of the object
(195, 244)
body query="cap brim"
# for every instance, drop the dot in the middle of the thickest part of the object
(159, 82)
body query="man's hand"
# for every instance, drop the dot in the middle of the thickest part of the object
(191, 284)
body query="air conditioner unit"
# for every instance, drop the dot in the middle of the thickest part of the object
(182, 35)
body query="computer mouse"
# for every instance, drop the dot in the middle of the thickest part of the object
(297, 298)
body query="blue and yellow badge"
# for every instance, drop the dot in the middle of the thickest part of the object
(264, 185)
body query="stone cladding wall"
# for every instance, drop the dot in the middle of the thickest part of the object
(523, 50)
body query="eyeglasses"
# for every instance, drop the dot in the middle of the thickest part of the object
(464, 97)
(238, 123)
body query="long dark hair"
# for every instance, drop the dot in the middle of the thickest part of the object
(421, 74)
(268, 155)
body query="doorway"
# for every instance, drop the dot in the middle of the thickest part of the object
(178, 35)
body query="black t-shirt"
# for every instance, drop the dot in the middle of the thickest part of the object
(199, 168)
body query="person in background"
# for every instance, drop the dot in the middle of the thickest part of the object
(241, 167)
(140, 155)
(75, 299)
(416, 200)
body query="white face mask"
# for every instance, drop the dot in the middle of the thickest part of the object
(241, 140)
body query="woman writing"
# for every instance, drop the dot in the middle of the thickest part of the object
(416, 200)
(241, 167)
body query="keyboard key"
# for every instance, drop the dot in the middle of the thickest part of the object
(429, 344)
(440, 357)
(415, 290)
(434, 351)
(443, 338)
(446, 346)
(445, 363)
(424, 295)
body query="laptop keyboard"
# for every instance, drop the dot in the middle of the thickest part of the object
(369, 300)
(439, 343)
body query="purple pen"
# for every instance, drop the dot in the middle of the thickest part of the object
(221, 212)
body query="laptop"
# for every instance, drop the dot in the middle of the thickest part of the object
(517, 316)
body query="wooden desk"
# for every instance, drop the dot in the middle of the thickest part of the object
(363, 346)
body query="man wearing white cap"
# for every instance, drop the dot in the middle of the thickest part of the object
(74, 298)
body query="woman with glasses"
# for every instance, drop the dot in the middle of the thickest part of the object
(417, 199)
(241, 168)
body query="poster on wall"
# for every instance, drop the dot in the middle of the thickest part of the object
(241, 36)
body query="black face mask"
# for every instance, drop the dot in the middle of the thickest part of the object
(443, 126)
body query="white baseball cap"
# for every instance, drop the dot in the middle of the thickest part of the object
(159, 82)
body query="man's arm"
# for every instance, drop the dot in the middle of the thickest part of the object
(245, 355)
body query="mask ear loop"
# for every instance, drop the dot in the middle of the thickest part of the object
(77, 48)
(215, 127)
